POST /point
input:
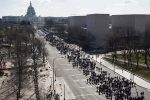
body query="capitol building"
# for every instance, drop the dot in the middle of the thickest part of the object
(30, 17)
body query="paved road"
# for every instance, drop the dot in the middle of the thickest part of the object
(73, 77)
(77, 82)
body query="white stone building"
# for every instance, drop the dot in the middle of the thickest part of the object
(12, 19)
(30, 17)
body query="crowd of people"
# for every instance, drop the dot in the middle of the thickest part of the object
(117, 86)
(112, 87)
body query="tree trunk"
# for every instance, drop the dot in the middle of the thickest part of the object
(124, 56)
(137, 59)
(19, 61)
(146, 57)
(35, 75)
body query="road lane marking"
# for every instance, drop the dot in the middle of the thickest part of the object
(81, 80)
(69, 69)
(86, 87)
(76, 80)
(65, 64)
(82, 87)
(76, 75)
(86, 95)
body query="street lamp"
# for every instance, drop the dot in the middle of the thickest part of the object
(55, 75)
(100, 60)
(132, 75)
(114, 66)
(64, 91)
(96, 56)
(51, 80)
(54, 69)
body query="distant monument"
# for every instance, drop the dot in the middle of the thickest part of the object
(29, 17)
(31, 11)
(32, 18)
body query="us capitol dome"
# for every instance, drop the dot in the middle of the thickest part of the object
(32, 18)
(29, 17)
(31, 11)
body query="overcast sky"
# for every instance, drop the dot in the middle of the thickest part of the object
(74, 7)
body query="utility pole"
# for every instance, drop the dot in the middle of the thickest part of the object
(64, 91)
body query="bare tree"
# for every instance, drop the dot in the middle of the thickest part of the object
(36, 52)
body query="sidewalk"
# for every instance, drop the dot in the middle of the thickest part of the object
(60, 86)
(46, 81)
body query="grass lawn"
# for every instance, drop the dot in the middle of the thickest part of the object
(141, 58)
(143, 72)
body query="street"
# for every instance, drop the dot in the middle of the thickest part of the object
(73, 77)
(77, 82)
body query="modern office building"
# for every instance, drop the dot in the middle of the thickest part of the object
(77, 21)
(98, 26)
(133, 24)
(0, 21)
